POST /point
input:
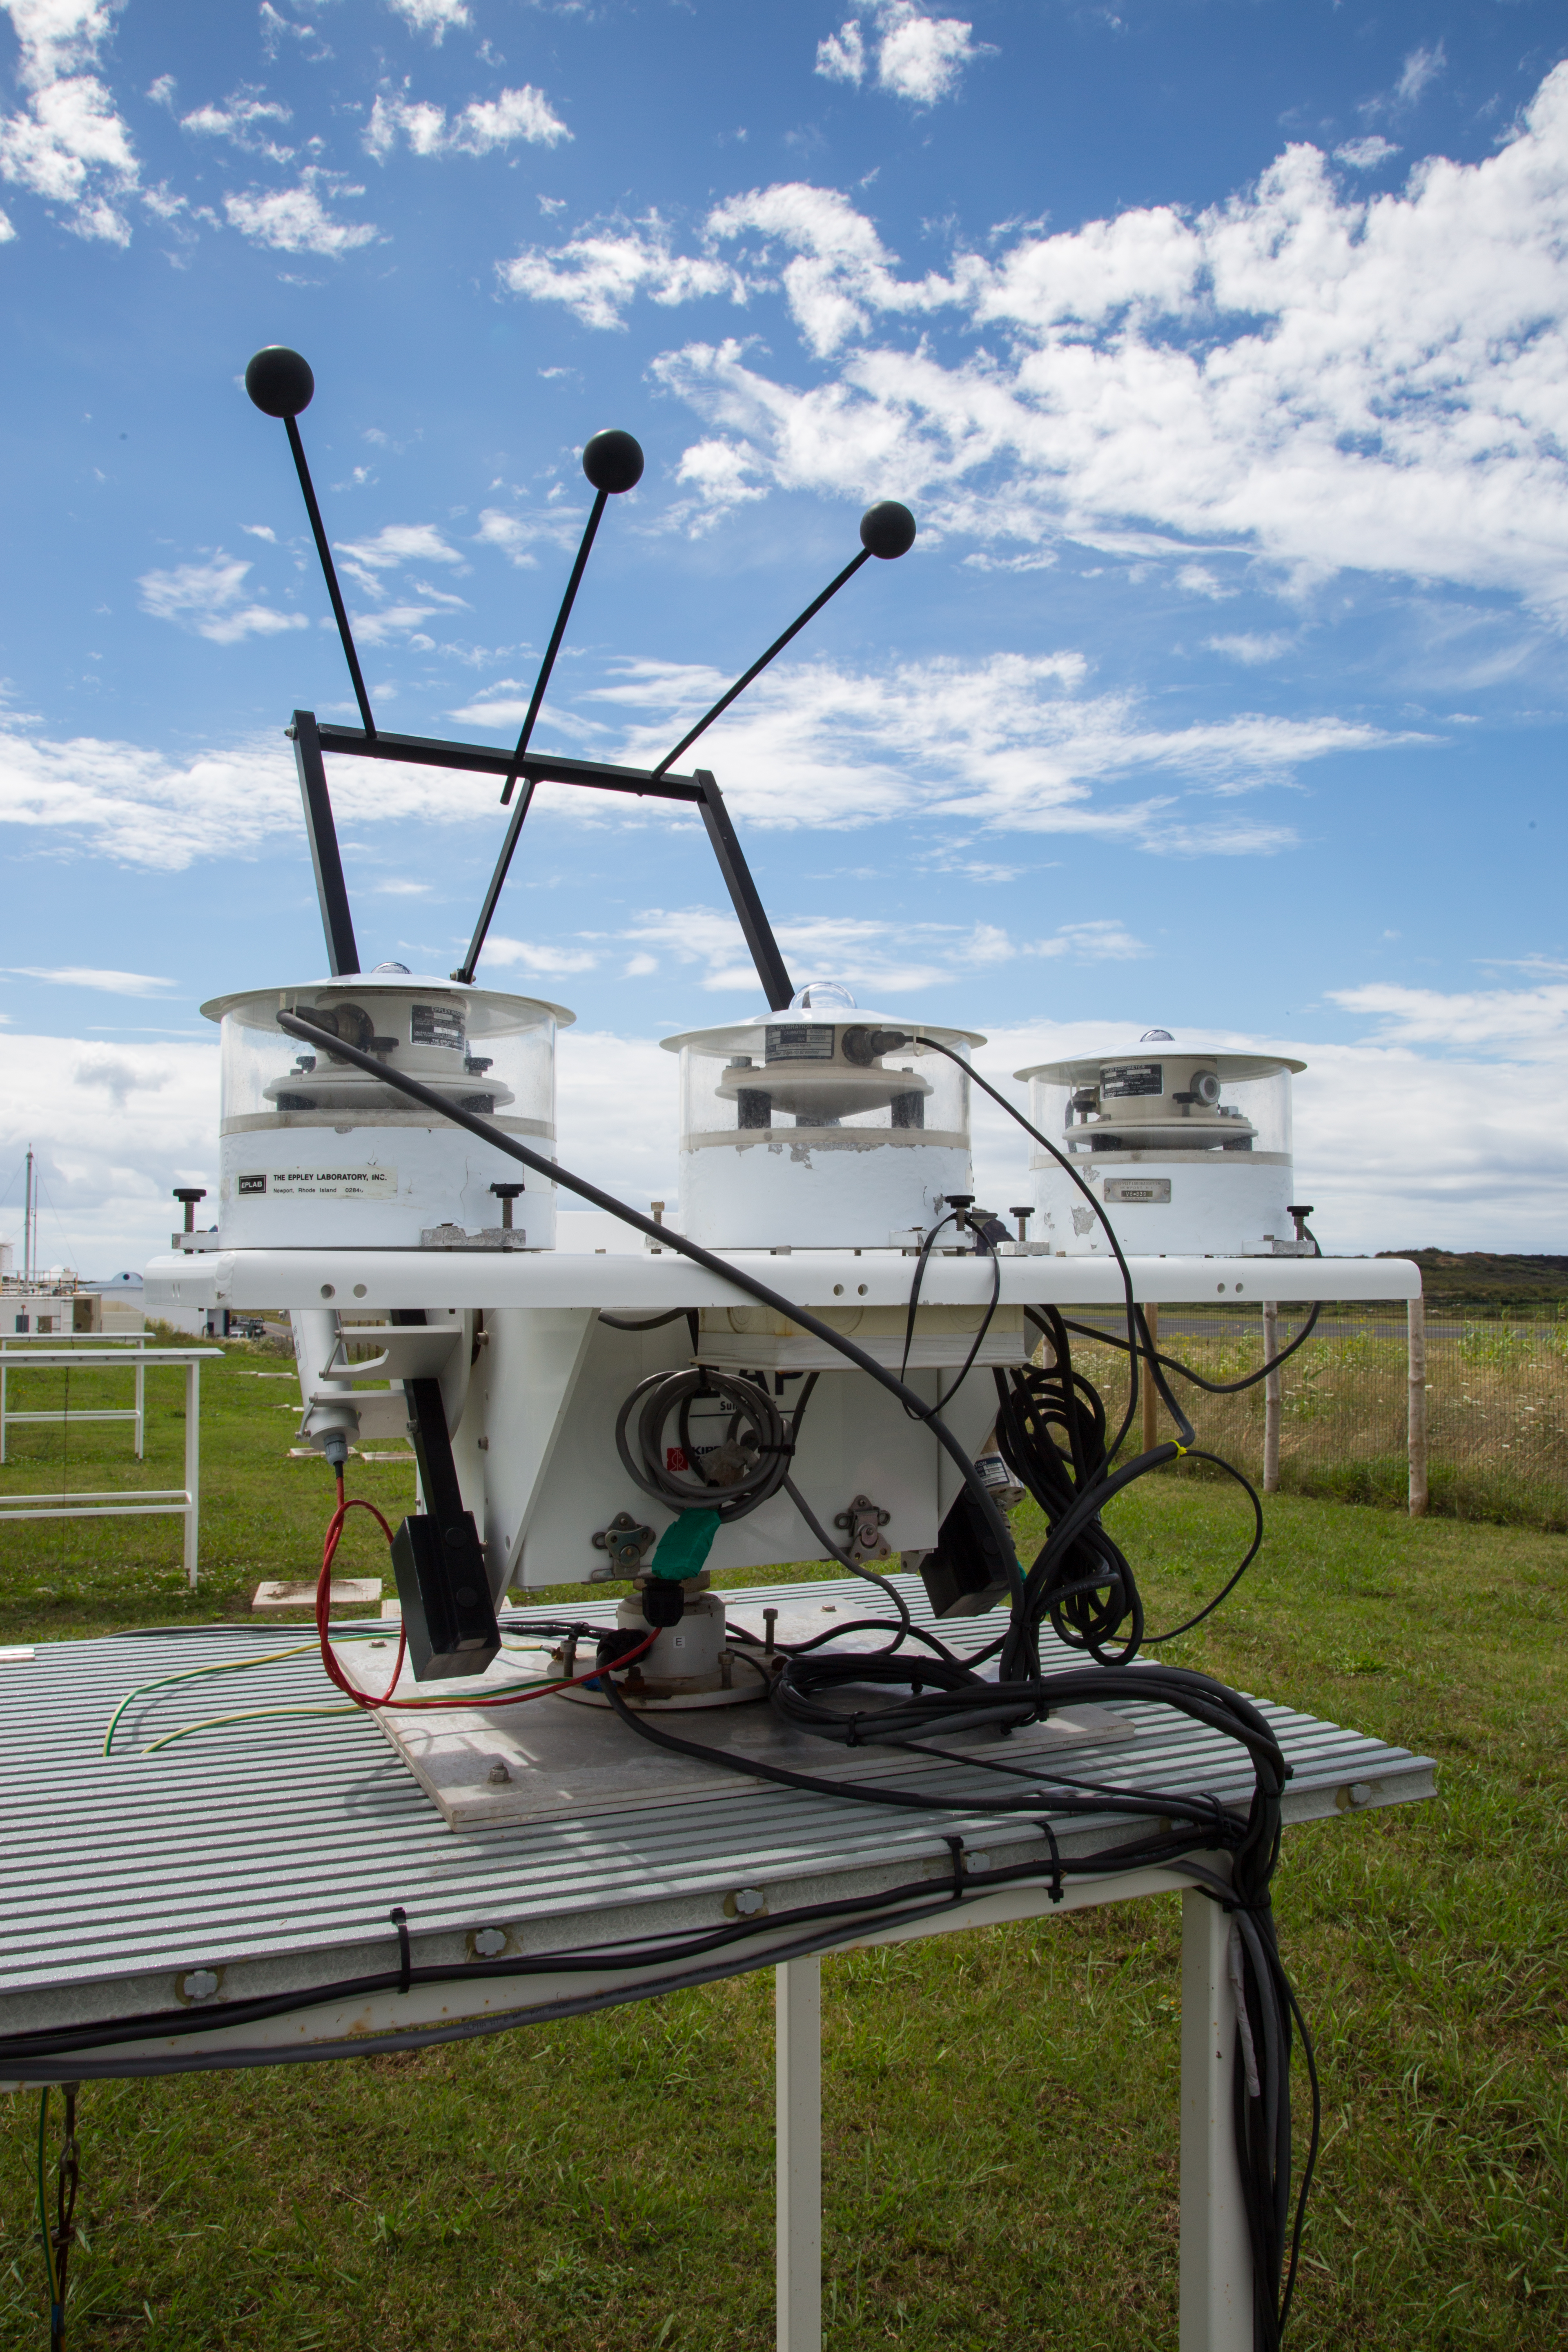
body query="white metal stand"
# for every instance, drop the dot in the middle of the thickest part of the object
(1215, 2255)
(17, 1355)
(797, 1996)
(131, 1502)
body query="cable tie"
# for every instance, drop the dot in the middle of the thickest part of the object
(405, 1956)
(955, 1848)
(1055, 1889)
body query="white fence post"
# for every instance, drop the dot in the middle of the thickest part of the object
(1415, 1314)
(1273, 1397)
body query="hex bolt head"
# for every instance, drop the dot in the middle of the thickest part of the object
(489, 1943)
(749, 1901)
(199, 1985)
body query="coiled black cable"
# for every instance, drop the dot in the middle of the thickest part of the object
(753, 1456)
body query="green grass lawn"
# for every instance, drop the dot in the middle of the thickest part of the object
(1000, 2124)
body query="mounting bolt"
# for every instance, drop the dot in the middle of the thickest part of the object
(506, 1194)
(749, 1901)
(1023, 1216)
(1360, 1793)
(770, 1621)
(497, 1774)
(489, 1943)
(200, 1985)
(190, 1194)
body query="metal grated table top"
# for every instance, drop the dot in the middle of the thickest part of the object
(270, 1853)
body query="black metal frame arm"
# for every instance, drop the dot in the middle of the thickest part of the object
(282, 385)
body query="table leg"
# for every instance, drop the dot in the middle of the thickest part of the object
(1217, 2257)
(193, 1469)
(797, 1999)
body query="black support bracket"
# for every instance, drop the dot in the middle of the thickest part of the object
(443, 1581)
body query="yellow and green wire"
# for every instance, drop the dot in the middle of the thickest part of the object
(249, 1715)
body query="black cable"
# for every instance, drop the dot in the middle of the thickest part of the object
(641, 1322)
(37, 2049)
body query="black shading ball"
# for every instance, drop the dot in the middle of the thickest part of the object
(280, 381)
(887, 530)
(613, 461)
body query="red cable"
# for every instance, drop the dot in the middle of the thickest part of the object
(335, 1674)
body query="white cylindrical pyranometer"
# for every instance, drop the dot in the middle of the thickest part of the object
(1189, 1149)
(316, 1153)
(821, 1127)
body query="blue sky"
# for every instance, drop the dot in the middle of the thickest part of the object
(1218, 348)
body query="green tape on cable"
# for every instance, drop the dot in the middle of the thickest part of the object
(684, 1546)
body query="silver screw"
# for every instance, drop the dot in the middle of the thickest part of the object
(200, 1985)
(489, 1943)
(749, 1902)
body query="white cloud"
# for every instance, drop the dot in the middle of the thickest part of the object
(1314, 378)
(536, 959)
(114, 1127)
(400, 542)
(842, 55)
(1529, 1021)
(113, 983)
(68, 144)
(295, 220)
(1366, 154)
(596, 276)
(1251, 647)
(517, 535)
(435, 17)
(207, 597)
(1010, 742)
(6, 229)
(58, 35)
(917, 57)
(1421, 69)
(96, 796)
(276, 28)
(242, 120)
(483, 125)
(887, 957)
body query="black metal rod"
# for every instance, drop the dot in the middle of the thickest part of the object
(758, 666)
(488, 759)
(551, 650)
(743, 894)
(333, 591)
(467, 968)
(331, 891)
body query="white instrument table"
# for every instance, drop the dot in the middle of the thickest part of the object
(266, 1858)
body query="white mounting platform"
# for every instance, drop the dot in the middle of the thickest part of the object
(362, 1281)
(557, 1760)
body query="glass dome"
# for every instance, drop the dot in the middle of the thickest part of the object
(824, 1133)
(345, 1150)
(1189, 1149)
